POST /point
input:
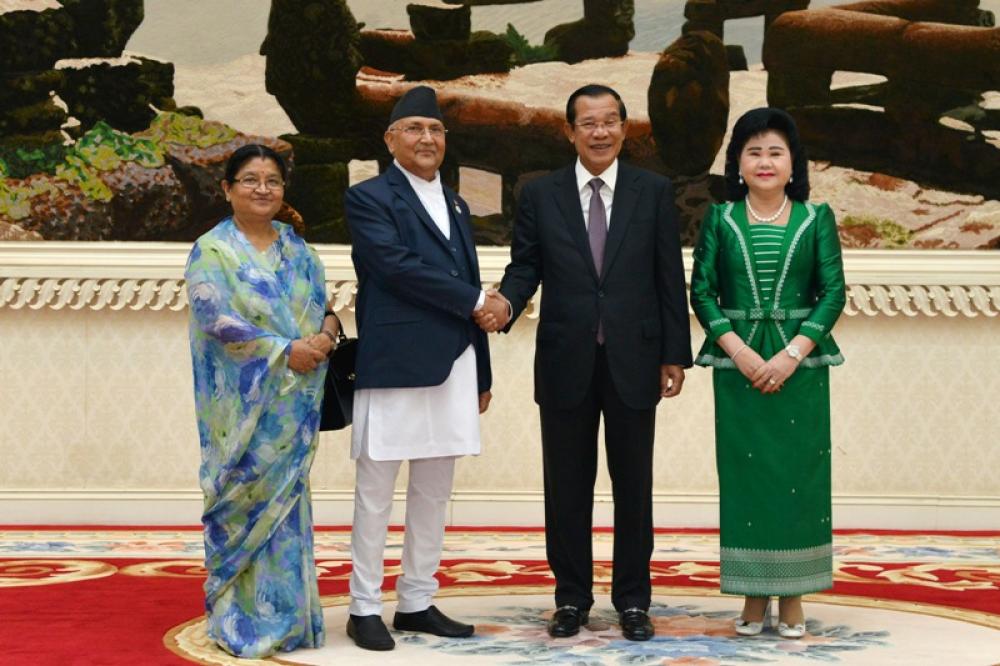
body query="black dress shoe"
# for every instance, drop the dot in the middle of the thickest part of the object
(566, 621)
(636, 625)
(432, 621)
(369, 632)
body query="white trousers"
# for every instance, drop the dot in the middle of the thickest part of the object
(427, 497)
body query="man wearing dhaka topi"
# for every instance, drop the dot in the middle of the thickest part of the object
(423, 368)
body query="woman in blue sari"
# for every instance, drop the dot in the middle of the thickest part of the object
(260, 336)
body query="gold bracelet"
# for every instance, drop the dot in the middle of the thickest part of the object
(733, 357)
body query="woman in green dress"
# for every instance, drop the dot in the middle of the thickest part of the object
(768, 286)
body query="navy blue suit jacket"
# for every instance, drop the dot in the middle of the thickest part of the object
(416, 288)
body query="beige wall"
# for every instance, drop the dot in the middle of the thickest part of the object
(98, 424)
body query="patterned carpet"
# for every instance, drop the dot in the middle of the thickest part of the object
(133, 596)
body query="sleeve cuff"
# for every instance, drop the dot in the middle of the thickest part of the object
(812, 330)
(718, 327)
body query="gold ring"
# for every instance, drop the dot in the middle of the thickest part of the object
(771, 381)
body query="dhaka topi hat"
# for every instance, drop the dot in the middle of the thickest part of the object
(420, 101)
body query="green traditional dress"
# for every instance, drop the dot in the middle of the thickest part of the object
(257, 422)
(769, 284)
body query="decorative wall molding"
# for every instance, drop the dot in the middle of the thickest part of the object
(96, 294)
(120, 293)
(138, 276)
(472, 508)
(929, 300)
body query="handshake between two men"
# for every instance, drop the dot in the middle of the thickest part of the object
(495, 313)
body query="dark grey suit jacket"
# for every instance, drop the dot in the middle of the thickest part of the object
(640, 297)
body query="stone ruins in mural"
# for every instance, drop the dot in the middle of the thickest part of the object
(501, 122)
(898, 102)
(92, 144)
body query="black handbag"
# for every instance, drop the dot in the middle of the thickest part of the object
(338, 396)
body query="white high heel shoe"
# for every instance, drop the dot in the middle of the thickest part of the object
(747, 628)
(791, 631)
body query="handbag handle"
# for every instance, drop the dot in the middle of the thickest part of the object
(341, 336)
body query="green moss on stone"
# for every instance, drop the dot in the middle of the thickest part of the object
(38, 117)
(316, 191)
(428, 22)
(311, 149)
(187, 130)
(890, 232)
(31, 41)
(15, 199)
(104, 148)
(21, 161)
(27, 88)
(312, 59)
(103, 27)
(101, 149)
(120, 95)
(604, 31)
(485, 52)
(524, 53)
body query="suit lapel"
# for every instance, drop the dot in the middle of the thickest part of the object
(623, 205)
(402, 188)
(459, 225)
(568, 200)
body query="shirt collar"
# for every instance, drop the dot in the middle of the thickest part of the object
(418, 183)
(609, 176)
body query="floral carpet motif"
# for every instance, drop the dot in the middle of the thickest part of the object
(693, 630)
(684, 632)
(121, 596)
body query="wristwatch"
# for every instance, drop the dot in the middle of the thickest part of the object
(794, 351)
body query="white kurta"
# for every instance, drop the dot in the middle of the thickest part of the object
(423, 422)
(427, 421)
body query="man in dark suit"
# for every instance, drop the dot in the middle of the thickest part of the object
(423, 367)
(613, 338)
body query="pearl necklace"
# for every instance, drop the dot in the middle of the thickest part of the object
(757, 216)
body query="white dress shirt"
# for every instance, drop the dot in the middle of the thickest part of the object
(583, 178)
(431, 195)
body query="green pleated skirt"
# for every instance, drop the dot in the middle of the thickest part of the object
(773, 458)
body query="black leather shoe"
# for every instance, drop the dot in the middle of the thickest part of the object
(636, 625)
(566, 621)
(369, 632)
(432, 621)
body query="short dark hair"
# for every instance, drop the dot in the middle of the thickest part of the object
(754, 123)
(592, 90)
(244, 154)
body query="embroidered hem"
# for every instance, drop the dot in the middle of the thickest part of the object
(784, 573)
(783, 587)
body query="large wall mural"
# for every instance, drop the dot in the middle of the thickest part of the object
(103, 136)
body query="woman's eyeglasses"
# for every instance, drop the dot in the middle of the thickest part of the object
(254, 183)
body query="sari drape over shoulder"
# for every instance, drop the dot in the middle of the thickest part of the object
(257, 424)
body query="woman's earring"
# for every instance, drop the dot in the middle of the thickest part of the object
(790, 179)
(741, 179)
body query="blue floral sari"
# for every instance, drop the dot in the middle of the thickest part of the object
(257, 422)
